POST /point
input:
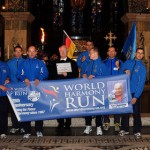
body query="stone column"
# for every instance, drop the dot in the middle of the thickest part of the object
(143, 25)
(17, 30)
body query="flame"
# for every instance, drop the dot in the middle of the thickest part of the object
(43, 35)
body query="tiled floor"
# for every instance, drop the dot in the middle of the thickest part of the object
(78, 131)
(74, 139)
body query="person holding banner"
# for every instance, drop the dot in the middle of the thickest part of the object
(65, 68)
(4, 104)
(83, 58)
(95, 68)
(32, 69)
(13, 65)
(137, 72)
(113, 64)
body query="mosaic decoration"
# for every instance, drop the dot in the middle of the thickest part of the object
(113, 21)
(77, 16)
(138, 6)
(96, 15)
(58, 12)
(16, 5)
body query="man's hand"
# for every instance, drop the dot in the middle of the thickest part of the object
(27, 82)
(83, 59)
(117, 64)
(3, 88)
(36, 82)
(133, 101)
(7, 81)
(90, 77)
(127, 72)
(84, 76)
(64, 74)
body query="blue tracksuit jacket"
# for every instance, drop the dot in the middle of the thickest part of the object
(32, 68)
(111, 66)
(4, 74)
(13, 65)
(96, 68)
(79, 62)
(82, 65)
(137, 76)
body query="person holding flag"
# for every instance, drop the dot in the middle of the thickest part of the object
(137, 72)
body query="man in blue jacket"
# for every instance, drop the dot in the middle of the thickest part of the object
(83, 58)
(137, 72)
(32, 69)
(13, 65)
(4, 104)
(113, 64)
(95, 68)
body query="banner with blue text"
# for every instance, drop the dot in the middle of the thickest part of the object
(70, 98)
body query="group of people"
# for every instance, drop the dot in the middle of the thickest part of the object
(89, 65)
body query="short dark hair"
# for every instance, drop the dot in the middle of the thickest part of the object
(112, 47)
(95, 49)
(90, 40)
(140, 48)
(18, 46)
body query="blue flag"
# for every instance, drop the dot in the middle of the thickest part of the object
(129, 47)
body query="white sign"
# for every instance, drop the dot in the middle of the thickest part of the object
(63, 67)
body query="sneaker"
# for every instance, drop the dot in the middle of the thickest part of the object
(39, 134)
(3, 136)
(123, 133)
(14, 130)
(117, 127)
(138, 135)
(22, 131)
(87, 130)
(99, 131)
(26, 136)
(106, 126)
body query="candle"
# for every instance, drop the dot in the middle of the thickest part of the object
(8, 52)
(43, 35)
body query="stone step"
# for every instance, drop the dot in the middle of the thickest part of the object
(80, 122)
